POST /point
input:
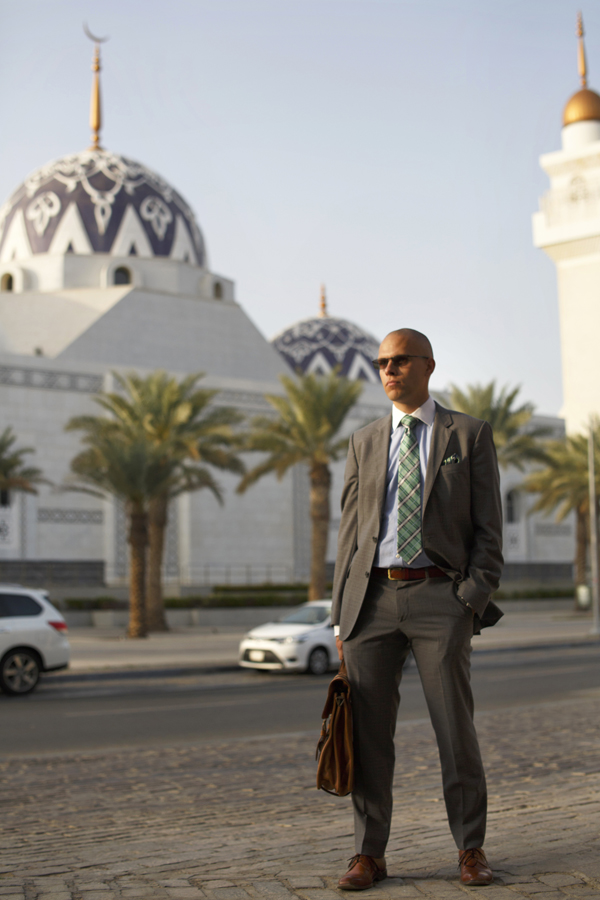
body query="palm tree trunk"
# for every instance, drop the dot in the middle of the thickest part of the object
(320, 483)
(581, 547)
(157, 526)
(138, 542)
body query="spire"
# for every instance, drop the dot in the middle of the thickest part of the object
(323, 304)
(581, 61)
(95, 104)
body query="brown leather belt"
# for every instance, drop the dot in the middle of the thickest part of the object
(401, 574)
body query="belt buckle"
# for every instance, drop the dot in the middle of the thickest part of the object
(390, 576)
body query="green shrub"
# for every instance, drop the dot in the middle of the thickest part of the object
(234, 600)
(259, 588)
(534, 594)
(89, 603)
(226, 597)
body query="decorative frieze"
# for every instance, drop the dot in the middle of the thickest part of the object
(553, 529)
(242, 399)
(71, 516)
(49, 380)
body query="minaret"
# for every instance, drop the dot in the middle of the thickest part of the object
(567, 228)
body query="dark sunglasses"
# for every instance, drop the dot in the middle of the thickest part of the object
(398, 361)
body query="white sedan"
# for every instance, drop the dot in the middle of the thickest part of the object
(33, 638)
(304, 641)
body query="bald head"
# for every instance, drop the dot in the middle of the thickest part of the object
(417, 339)
(410, 363)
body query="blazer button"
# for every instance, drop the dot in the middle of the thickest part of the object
(375, 539)
(367, 574)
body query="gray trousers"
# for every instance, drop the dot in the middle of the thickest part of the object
(427, 617)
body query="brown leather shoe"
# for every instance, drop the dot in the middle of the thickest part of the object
(362, 873)
(474, 868)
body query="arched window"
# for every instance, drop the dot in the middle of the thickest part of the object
(218, 290)
(512, 507)
(579, 189)
(122, 275)
(7, 283)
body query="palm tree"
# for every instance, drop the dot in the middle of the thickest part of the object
(131, 469)
(563, 485)
(15, 475)
(176, 418)
(517, 442)
(306, 430)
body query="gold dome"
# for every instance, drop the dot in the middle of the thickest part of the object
(583, 106)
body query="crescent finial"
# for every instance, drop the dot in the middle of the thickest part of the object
(92, 37)
(95, 105)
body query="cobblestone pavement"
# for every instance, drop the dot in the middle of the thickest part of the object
(241, 819)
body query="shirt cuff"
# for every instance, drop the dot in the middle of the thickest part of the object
(336, 630)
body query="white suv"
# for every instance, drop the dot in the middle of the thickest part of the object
(33, 638)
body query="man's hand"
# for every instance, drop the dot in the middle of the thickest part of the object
(340, 648)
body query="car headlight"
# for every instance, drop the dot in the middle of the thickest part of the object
(296, 639)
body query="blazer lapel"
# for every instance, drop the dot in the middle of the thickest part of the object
(439, 441)
(380, 444)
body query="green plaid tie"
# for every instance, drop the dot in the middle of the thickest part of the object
(409, 542)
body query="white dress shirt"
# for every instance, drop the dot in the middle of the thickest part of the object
(386, 554)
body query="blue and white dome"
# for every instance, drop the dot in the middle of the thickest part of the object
(99, 202)
(319, 345)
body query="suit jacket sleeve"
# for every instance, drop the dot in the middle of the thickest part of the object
(348, 532)
(485, 559)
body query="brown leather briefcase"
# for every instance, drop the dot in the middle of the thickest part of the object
(335, 753)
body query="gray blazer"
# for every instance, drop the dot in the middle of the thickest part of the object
(462, 514)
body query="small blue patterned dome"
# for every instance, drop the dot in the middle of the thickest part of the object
(319, 345)
(99, 202)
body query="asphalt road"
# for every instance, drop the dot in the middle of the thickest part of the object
(94, 715)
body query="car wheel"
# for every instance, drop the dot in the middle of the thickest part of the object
(318, 661)
(19, 672)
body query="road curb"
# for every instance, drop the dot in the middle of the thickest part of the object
(548, 645)
(174, 671)
(112, 674)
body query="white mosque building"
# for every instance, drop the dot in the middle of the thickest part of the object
(104, 268)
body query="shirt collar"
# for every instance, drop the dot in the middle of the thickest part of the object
(426, 413)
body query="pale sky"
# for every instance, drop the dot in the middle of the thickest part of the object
(387, 149)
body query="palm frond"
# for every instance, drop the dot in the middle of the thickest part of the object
(309, 418)
(15, 474)
(562, 485)
(517, 442)
(175, 422)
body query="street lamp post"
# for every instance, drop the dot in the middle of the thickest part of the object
(593, 534)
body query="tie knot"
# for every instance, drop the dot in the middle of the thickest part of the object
(410, 422)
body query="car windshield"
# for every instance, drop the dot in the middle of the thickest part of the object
(307, 615)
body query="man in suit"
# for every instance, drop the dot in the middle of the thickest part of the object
(419, 554)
